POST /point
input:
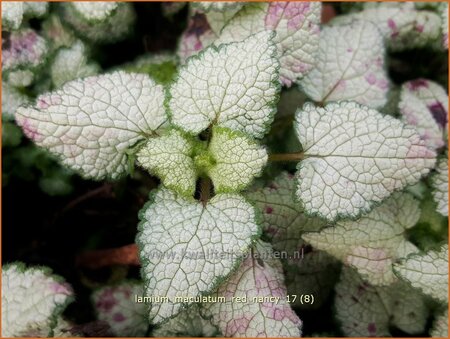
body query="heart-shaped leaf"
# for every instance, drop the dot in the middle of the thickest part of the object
(232, 86)
(428, 272)
(71, 63)
(119, 307)
(91, 123)
(349, 66)
(187, 248)
(354, 157)
(308, 271)
(440, 326)
(188, 323)
(440, 186)
(95, 10)
(237, 160)
(297, 33)
(372, 243)
(401, 24)
(170, 158)
(424, 105)
(32, 300)
(364, 310)
(259, 276)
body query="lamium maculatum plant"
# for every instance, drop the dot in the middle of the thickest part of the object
(296, 173)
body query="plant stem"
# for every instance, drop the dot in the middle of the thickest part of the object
(287, 156)
(205, 190)
(125, 255)
(106, 189)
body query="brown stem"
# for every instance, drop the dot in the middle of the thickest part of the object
(104, 189)
(287, 156)
(205, 190)
(125, 255)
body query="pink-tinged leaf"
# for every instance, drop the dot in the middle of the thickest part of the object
(297, 27)
(364, 310)
(355, 157)
(440, 186)
(119, 306)
(297, 33)
(24, 49)
(196, 37)
(32, 300)
(259, 276)
(308, 271)
(349, 66)
(233, 86)
(283, 219)
(91, 123)
(187, 248)
(188, 323)
(427, 272)
(402, 26)
(440, 325)
(115, 25)
(373, 242)
(424, 105)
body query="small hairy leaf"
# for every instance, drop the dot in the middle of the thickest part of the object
(35, 9)
(95, 10)
(12, 98)
(188, 323)
(217, 6)
(259, 276)
(233, 86)
(307, 271)
(355, 156)
(373, 242)
(402, 26)
(63, 329)
(59, 34)
(187, 247)
(297, 33)
(440, 186)
(32, 299)
(112, 28)
(26, 50)
(90, 123)
(12, 14)
(428, 272)
(444, 17)
(424, 105)
(364, 310)
(440, 326)
(231, 160)
(116, 306)
(349, 66)
(218, 19)
(170, 158)
(198, 34)
(237, 160)
(19, 78)
(71, 63)
(283, 219)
